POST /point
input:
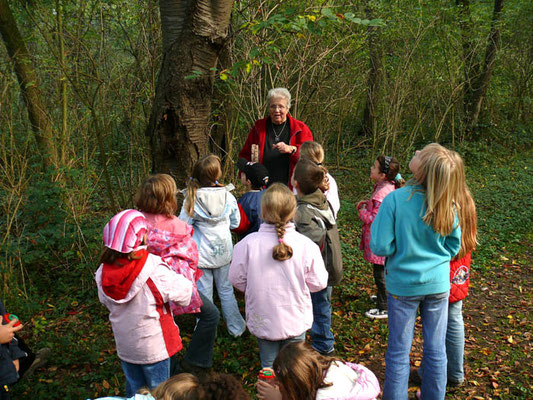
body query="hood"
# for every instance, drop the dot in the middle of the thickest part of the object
(318, 200)
(117, 281)
(211, 201)
(382, 189)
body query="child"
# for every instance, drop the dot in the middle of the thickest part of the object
(302, 373)
(315, 219)
(137, 287)
(188, 387)
(10, 354)
(315, 152)
(255, 177)
(385, 172)
(171, 239)
(418, 231)
(277, 268)
(212, 211)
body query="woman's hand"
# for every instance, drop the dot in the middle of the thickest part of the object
(284, 148)
(7, 332)
(266, 391)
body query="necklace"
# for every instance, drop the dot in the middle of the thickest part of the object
(277, 135)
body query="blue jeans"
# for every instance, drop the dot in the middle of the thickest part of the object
(321, 335)
(200, 350)
(230, 308)
(268, 349)
(455, 342)
(402, 315)
(140, 375)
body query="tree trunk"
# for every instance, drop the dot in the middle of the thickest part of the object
(29, 86)
(370, 119)
(471, 67)
(193, 32)
(481, 83)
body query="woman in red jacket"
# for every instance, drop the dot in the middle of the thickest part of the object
(275, 141)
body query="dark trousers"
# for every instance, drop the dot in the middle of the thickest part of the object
(379, 279)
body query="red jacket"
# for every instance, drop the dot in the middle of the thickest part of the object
(459, 278)
(300, 133)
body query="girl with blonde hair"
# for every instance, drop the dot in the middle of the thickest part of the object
(315, 152)
(417, 229)
(277, 268)
(212, 211)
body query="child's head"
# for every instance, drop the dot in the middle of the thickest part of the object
(308, 177)
(300, 370)
(466, 210)
(224, 387)
(437, 171)
(254, 175)
(386, 168)
(179, 387)
(157, 195)
(205, 173)
(278, 206)
(122, 235)
(315, 152)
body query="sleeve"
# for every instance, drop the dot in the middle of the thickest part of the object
(15, 351)
(304, 136)
(173, 287)
(368, 216)
(235, 215)
(452, 242)
(382, 235)
(316, 276)
(184, 216)
(238, 269)
(244, 225)
(246, 151)
(311, 227)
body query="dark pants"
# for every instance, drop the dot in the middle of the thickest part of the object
(379, 279)
(5, 393)
(200, 350)
(322, 338)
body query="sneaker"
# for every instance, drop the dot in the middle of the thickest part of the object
(40, 360)
(455, 384)
(377, 314)
(374, 298)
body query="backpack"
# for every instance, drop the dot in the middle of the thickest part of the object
(329, 244)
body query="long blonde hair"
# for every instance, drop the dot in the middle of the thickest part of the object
(206, 173)
(178, 387)
(278, 206)
(438, 173)
(466, 210)
(314, 152)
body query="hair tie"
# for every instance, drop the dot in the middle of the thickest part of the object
(216, 183)
(319, 164)
(280, 240)
(191, 178)
(387, 164)
(398, 177)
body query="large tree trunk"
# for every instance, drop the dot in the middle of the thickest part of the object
(370, 119)
(194, 32)
(29, 84)
(481, 84)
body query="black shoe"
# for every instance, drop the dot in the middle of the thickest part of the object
(200, 372)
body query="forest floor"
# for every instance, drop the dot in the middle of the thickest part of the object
(498, 310)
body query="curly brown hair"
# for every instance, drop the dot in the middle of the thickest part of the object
(224, 387)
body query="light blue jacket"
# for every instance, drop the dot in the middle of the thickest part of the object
(418, 258)
(215, 213)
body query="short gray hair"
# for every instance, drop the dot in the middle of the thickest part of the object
(279, 92)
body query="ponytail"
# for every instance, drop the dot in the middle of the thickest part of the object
(206, 172)
(282, 251)
(190, 197)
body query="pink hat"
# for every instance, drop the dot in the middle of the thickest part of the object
(125, 231)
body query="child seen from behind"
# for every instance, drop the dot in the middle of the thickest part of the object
(315, 152)
(302, 373)
(315, 219)
(277, 268)
(418, 230)
(212, 211)
(171, 239)
(137, 288)
(385, 173)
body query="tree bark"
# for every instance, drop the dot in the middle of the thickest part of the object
(481, 84)
(193, 33)
(29, 85)
(370, 119)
